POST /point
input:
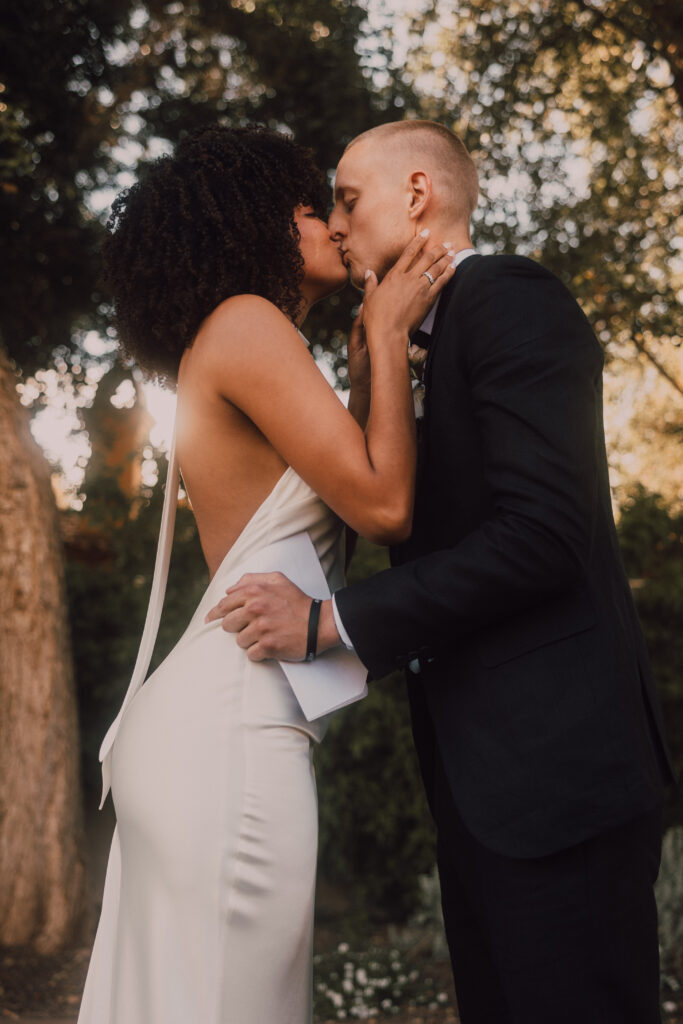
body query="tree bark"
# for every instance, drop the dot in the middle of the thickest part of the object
(41, 817)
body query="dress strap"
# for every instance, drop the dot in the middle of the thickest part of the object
(154, 608)
(160, 577)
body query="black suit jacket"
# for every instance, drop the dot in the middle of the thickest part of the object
(534, 683)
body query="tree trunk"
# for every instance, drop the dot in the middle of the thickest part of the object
(41, 823)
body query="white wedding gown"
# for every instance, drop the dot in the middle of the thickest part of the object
(207, 913)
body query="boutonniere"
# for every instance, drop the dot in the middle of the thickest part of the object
(416, 358)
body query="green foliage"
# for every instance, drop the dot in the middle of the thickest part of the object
(290, 64)
(53, 56)
(90, 87)
(651, 537)
(572, 114)
(376, 835)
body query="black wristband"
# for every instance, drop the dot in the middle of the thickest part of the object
(313, 619)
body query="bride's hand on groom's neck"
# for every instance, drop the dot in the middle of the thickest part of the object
(396, 307)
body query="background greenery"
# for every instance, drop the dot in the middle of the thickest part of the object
(572, 111)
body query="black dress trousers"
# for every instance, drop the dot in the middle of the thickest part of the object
(569, 938)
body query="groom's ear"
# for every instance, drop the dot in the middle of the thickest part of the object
(420, 193)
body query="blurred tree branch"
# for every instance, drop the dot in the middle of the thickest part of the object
(657, 23)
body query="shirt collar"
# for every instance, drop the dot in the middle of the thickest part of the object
(427, 325)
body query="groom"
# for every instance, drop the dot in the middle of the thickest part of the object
(534, 712)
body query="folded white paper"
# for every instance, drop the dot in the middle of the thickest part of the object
(337, 677)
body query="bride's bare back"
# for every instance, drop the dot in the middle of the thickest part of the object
(228, 466)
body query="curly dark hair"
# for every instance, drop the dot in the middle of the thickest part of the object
(215, 219)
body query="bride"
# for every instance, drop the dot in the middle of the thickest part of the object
(215, 258)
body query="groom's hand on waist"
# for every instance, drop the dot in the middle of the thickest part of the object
(269, 615)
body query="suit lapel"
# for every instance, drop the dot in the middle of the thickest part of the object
(449, 299)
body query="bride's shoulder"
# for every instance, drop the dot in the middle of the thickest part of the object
(244, 342)
(243, 313)
(243, 319)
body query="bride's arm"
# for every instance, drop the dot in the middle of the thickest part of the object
(358, 364)
(259, 364)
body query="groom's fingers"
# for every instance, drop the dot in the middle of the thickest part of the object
(225, 606)
(267, 614)
(234, 622)
(244, 594)
(249, 636)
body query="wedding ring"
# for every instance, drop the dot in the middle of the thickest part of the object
(425, 273)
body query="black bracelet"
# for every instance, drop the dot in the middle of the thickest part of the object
(313, 619)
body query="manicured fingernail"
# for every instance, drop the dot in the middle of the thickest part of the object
(367, 274)
(424, 232)
(448, 245)
(454, 264)
(451, 254)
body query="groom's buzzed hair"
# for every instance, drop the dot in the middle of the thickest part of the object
(446, 149)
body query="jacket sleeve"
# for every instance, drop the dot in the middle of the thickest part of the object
(534, 371)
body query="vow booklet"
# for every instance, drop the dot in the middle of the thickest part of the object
(337, 677)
